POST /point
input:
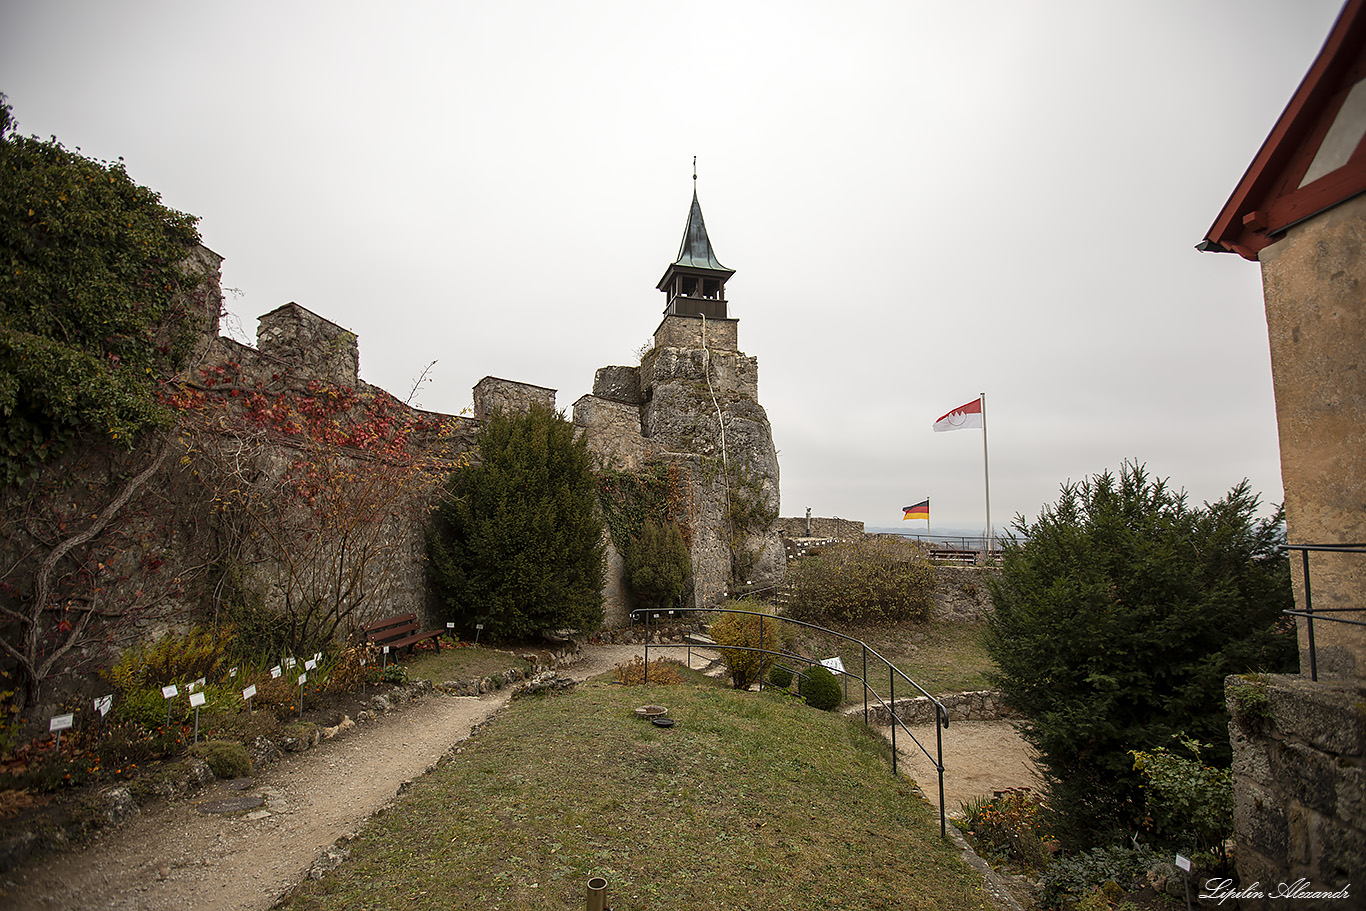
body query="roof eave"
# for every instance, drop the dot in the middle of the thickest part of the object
(1231, 231)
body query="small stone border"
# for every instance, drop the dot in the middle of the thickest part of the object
(974, 705)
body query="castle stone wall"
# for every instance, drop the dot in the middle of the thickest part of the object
(493, 395)
(312, 345)
(612, 430)
(620, 384)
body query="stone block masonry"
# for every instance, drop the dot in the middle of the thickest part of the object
(1299, 766)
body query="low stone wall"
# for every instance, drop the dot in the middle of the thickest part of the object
(1299, 784)
(978, 705)
(960, 593)
(669, 631)
(821, 527)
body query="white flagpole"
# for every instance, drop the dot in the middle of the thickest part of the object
(986, 470)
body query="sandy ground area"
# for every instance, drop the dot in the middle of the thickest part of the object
(979, 757)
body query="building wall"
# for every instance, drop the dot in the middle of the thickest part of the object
(1315, 289)
(612, 430)
(1299, 745)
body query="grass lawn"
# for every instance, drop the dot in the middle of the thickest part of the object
(750, 801)
(461, 663)
(943, 657)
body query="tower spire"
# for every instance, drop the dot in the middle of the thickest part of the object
(695, 282)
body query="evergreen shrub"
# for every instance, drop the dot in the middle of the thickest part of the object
(516, 543)
(657, 565)
(820, 689)
(780, 676)
(97, 301)
(1118, 614)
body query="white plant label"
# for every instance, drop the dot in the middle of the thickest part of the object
(192, 686)
(317, 656)
(199, 683)
(290, 662)
(249, 692)
(386, 650)
(61, 722)
(310, 664)
(478, 626)
(450, 626)
(103, 704)
(197, 699)
(1183, 863)
(170, 692)
(302, 678)
(275, 671)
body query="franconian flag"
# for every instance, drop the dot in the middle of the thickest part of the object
(969, 415)
(920, 510)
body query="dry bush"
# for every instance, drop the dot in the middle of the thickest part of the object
(662, 670)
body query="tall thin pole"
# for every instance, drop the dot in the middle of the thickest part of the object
(986, 470)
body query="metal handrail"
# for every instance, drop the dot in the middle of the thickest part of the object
(941, 714)
(1309, 614)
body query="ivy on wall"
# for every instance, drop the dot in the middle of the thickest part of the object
(95, 306)
(659, 491)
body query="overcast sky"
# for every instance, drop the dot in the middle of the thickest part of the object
(922, 201)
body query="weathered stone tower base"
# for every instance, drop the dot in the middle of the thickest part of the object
(693, 402)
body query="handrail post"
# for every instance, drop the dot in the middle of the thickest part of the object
(939, 738)
(647, 646)
(762, 647)
(865, 683)
(1309, 620)
(891, 706)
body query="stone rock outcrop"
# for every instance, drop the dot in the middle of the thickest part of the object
(693, 402)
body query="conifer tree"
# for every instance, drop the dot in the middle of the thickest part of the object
(516, 543)
(657, 565)
(1118, 614)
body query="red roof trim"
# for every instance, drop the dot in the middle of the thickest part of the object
(1268, 199)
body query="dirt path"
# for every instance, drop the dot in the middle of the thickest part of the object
(180, 857)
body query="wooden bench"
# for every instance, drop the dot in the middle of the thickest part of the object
(401, 632)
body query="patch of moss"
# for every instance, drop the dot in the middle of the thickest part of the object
(228, 759)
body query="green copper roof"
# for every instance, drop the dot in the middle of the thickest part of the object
(696, 251)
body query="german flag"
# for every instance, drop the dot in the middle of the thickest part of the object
(920, 510)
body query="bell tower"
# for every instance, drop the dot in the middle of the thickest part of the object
(695, 282)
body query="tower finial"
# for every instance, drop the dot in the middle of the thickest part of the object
(694, 169)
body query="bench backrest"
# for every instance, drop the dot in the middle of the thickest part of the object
(391, 628)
